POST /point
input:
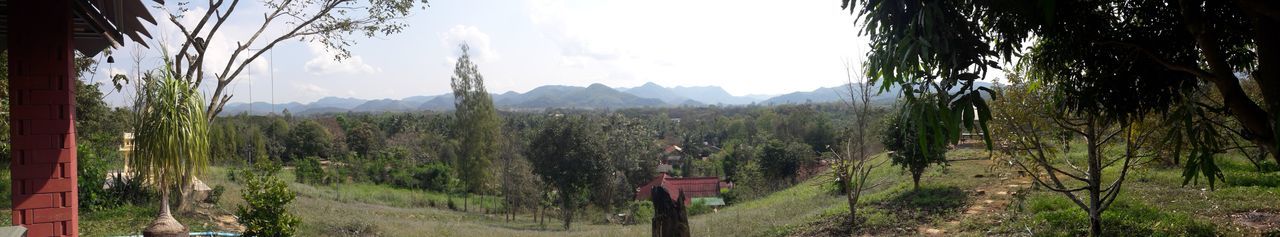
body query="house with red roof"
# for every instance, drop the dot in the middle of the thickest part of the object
(693, 188)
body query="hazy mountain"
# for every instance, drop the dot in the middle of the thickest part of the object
(712, 95)
(418, 100)
(440, 103)
(596, 96)
(336, 102)
(384, 105)
(654, 91)
(835, 94)
(828, 94)
(260, 108)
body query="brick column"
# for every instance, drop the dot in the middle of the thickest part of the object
(42, 120)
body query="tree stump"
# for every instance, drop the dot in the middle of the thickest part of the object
(670, 219)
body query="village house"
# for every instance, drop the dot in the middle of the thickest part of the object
(705, 188)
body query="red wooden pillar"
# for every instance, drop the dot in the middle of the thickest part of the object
(42, 120)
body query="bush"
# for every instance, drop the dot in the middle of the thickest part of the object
(699, 207)
(216, 194)
(641, 211)
(434, 177)
(93, 169)
(267, 197)
(309, 171)
(99, 192)
(130, 190)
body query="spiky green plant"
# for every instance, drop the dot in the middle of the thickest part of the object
(172, 136)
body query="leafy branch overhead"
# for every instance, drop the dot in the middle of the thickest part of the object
(1119, 59)
(332, 23)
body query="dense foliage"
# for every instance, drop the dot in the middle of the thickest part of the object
(569, 155)
(1119, 59)
(267, 199)
(900, 136)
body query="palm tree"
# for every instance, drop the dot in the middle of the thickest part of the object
(172, 141)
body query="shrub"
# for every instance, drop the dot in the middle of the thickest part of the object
(99, 192)
(216, 194)
(309, 171)
(699, 207)
(267, 198)
(641, 211)
(434, 177)
(94, 170)
(130, 190)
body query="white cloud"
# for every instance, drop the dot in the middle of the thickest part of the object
(311, 89)
(571, 33)
(481, 50)
(323, 62)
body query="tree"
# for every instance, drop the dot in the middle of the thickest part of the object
(631, 153)
(477, 123)
(328, 22)
(172, 141)
(568, 155)
(1100, 55)
(854, 161)
(902, 136)
(309, 138)
(278, 131)
(1040, 134)
(364, 139)
(782, 160)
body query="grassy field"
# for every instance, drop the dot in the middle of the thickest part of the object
(969, 197)
(362, 209)
(1153, 202)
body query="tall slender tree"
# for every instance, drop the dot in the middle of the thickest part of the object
(477, 123)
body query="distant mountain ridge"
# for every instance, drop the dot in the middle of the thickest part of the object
(595, 96)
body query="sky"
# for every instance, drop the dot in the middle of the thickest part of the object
(744, 46)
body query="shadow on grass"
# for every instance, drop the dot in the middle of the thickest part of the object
(929, 200)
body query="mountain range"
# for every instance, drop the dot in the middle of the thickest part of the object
(595, 96)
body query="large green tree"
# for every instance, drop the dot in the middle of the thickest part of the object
(477, 125)
(568, 154)
(1120, 58)
(783, 160)
(309, 138)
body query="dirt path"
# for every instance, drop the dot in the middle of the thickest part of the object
(987, 200)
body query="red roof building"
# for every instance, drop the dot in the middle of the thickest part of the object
(694, 187)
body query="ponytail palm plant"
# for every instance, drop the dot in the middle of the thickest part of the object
(172, 140)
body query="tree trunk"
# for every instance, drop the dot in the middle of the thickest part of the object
(164, 225)
(1095, 224)
(915, 180)
(852, 196)
(566, 211)
(1095, 178)
(1267, 45)
(1257, 123)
